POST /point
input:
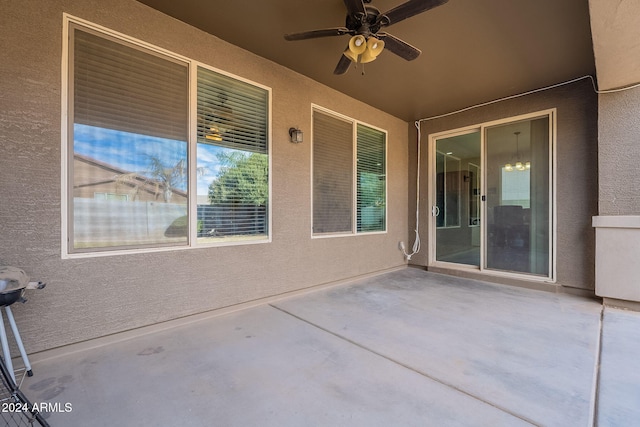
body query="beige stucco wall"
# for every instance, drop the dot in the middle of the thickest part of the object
(618, 222)
(615, 32)
(92, 297)
(577, 177)
(619, 148)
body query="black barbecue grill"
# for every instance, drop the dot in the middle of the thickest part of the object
(13, 283)
(9, 296)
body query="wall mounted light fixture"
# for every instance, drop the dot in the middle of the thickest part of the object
(295, 135)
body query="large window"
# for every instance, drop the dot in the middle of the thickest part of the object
(349, 176)
(233, 160)
(138, 175)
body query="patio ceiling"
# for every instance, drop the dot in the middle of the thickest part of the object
(473, 51)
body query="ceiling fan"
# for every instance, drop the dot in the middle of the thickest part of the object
(363, 24)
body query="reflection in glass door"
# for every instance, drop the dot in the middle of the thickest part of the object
(457, 199)
(518, 197)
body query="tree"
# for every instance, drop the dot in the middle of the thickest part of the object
(167, 178)
(243, 179)
(158, 178)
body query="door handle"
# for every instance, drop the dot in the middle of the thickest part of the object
(435, 210)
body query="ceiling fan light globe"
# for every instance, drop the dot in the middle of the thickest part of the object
(357, 44)
(366, 57)
(374, 48)
(375, 45)
(371, 54)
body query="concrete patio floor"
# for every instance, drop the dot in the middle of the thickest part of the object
(405, 348)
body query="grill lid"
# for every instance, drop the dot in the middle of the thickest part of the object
(12, 278)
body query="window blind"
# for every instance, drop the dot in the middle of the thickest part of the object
(371, 183)
(233, 153)
(116, 86)
(231, 113)
(332, 174)
(128, 138)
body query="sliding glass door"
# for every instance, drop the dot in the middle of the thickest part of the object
(457, 207)
(518, 202)
(492, 197)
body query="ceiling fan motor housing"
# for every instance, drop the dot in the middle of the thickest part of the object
(367, 24)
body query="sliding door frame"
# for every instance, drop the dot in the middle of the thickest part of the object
(551, 114)
(433, 139)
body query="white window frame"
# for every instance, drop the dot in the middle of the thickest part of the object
(354, 207)
(192, 146)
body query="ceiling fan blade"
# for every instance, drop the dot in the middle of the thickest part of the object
(407, 10)
(399, 47)
(314, 34)
(343, 65)
(355, 7)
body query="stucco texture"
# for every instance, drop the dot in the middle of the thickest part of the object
(576, 177)
(92, 297)
(619, 146)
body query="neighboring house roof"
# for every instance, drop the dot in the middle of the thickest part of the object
(92, 175)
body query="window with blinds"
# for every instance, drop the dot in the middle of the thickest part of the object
(372, 180)
(348, 196)
(332, 174)
(129, 138)
(233, 159)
